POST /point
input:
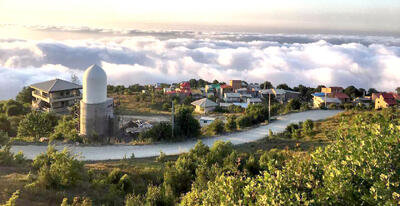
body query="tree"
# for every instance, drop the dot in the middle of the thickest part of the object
(230, 124)
(25, 95)
(293, 104)
(75, 79)
(14, 108)
(193, 83)
(66, 130)
(185, 124)
(371, 91)
(58, 169)
(283, 86)
(37, 124)
(216, 127)
(266, 85)
(398, 90)
(215, 82)
(352, 92)
(4, 124)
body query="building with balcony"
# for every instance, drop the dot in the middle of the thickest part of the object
(55, 95)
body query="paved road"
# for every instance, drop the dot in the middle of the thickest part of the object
(119, 151)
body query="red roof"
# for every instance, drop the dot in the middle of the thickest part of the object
(224, 86)
(341, 96)
(387, 96)
(185, 85)
(391, 102)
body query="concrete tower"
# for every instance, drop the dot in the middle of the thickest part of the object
(96, 110)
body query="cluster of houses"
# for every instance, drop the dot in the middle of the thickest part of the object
(236, 92)
(335, 96)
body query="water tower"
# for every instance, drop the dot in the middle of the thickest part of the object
(96, 113)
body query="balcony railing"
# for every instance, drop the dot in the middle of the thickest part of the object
(67, 96)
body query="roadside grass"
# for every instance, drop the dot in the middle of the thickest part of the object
(133, 104)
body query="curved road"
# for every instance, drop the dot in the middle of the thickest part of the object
(108, 152)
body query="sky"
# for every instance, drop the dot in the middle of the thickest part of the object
(309, 42)
(364, 16)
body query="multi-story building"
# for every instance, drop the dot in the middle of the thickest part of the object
(235, 84)
(55, 95)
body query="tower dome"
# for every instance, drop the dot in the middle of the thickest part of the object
(94, 85)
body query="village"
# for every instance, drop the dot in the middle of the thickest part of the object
(210, 101)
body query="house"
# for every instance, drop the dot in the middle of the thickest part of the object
(184, 90)
(232, 97)
(319, 100)
(253, 101)
(385, 100)
(224, 89)
(281, 95)
(242, 91)
(55, 95)
(235, 84)
(341, 96)
(204, 105)
(362, 101)
(204, 121)
(245, 96)
(197, 94)
(212, 89)
(240, 104)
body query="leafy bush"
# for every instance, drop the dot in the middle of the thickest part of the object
(243, 121)
(307, 127)
(78, 201)
(58, 169)
(13, 199)
(214, 128)
(4, 123)
(230, 124)
(66, 130)
(37, 124)
(159, 132)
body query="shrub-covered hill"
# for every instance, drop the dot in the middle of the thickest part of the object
(362, 167)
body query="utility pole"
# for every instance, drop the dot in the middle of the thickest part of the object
(173, 118)
(269, 107)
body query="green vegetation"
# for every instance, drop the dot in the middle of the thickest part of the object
(66, 130)
(36, 125)
(357, 165)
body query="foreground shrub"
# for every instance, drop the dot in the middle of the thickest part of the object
(37, 124)
(58, 169)
(361, 168)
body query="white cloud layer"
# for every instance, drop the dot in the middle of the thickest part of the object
(292, 59)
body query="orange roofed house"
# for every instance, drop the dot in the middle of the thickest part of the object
(385, 100)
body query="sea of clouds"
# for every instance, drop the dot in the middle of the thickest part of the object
(134, 56)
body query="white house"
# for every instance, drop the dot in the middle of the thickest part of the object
(204, 121)
(254, 101)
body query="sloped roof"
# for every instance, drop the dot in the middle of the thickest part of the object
(232, 95)
(204, 103)
(341, 95)
(387, 96)
(318, 94)
(55, 85)
(225, 86)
